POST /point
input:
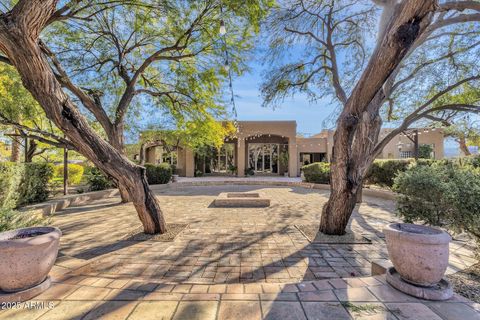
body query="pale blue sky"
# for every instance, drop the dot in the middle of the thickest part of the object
(309, 115)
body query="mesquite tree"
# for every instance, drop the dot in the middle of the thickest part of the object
(400, 62)
(186, 29)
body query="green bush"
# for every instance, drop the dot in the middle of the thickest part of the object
(75, 173)
(317, 172)
(158, 174)
(34, 185)
(441, 195)
(97, 181)
(383, 172)
(24, 183)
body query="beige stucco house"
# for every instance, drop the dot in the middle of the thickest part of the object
(274, 148)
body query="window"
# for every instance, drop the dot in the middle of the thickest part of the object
(406, 154)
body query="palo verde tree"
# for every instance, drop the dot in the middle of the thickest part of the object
(415, 41)
(168, 50)
(22, 119)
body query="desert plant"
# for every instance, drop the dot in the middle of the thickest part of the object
(75, 173)
(317, 172)
(34, 185)
(158, 174)
(441, 195)
(97, 180)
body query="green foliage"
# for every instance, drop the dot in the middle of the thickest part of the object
(96, 180)
(383, 172)
(443, 195)
(317, 172)
(158, 174)
(34, 185)
(75, 173)
(24, 183)
(425, 151)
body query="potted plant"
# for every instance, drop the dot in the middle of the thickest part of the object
(27, 256)
(419, 253)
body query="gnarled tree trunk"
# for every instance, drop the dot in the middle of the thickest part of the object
(359, 124)
(19, 31)
(116, 139)
(15, 155)
(462, 143)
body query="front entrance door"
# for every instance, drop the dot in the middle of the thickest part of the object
(263, 157)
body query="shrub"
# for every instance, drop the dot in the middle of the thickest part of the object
(24, 183)
(97, 181)
(441, 195)
(158, 174)
(317, 172)
(75, 173)
(383, 172)
(34, 185)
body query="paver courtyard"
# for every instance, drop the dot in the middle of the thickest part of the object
(251, 262)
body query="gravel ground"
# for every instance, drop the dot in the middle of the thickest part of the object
(467, 282)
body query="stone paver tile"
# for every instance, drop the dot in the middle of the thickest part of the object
(74, 309)
(199, 288)
(413, 311)
(201, 297)
(164, 287)
(125, 295)
(253, 288)
(355, 282)
(235, 288)
(369, 311)
(88, 281)
(280, 296)
(306, 286)
(389, 294)
(325, 311)
(57, 291)
(217, 288)
(118, 310)
(245, 310)
(270, 287)
(154, 310)
(285, 310)
(141, 286)
(88, 293)
(354, 294)
(182, 288)
(118, 283)
(371, 281)
(193, 310)
(326, 295)
(453, 311)
(163, 296)
(322, 284)
(240, 296)
(289, 287)
(338, 283)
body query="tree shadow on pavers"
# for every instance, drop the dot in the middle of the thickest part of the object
(104, 249)
(82, 208)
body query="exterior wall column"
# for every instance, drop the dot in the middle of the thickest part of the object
(292, 157)
(150, 155)
(241, 157)
(189, 163)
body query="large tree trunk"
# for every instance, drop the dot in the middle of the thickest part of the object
(359, 124)
(19, 30)
(116, 139)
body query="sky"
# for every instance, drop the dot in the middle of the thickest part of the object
(248, 101)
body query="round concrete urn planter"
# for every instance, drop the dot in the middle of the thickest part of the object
(418, 253)
(27, 255)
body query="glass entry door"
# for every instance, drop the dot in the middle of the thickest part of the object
(263, 157)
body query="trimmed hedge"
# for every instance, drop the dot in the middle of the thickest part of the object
(383, 172)
(317, 172)
(24, 183)
(158, 174)
(75, 173)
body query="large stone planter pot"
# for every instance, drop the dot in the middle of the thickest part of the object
(418, 253)
(27, 256)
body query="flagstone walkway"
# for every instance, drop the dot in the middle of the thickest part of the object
(240, 263)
